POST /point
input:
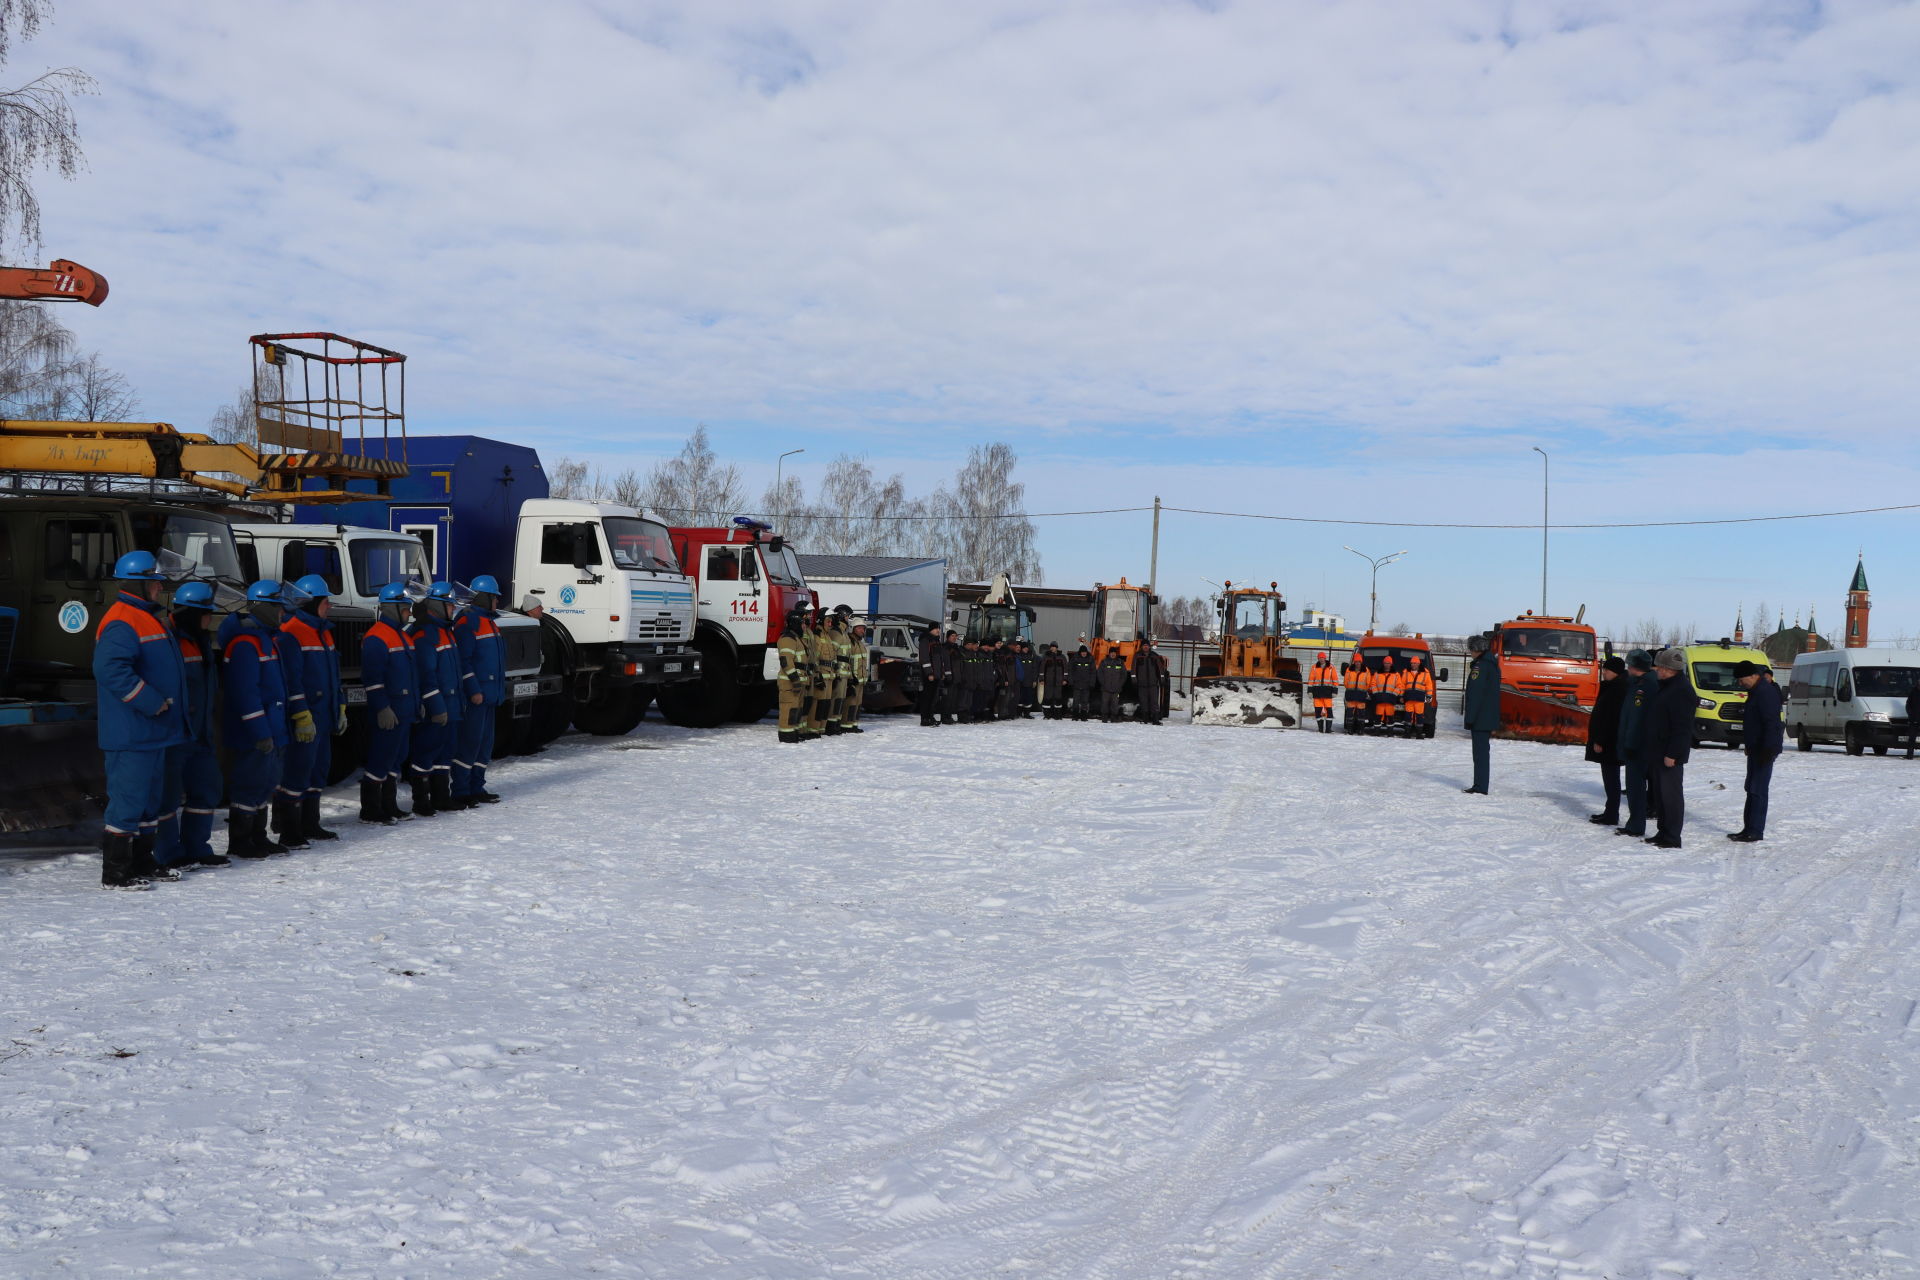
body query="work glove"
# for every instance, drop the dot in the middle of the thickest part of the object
(263, 745)
(439, 719)
(386, 719)
(340, 724)
(303, 730)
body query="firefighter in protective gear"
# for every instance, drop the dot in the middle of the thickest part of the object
(393, 702)
(821, 659)
(862, 658)
(317, 674)
(187, 842)
(143, 721)
(840, 670)
(1387, 684)
(255, 727)
(1417, 693)
(437, 662)
(795, 682)
(1322, 683)
(1357, 680)
(483, 687)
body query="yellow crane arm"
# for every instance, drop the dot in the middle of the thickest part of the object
(157, 451)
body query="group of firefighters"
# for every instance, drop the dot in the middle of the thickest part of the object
(965, 681)
(434, 671)
(1386, 699)
(824, 663)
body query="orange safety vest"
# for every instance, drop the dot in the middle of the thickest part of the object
(1419, 688)
(1356, 680)
(1387, 686)
(1323, 675)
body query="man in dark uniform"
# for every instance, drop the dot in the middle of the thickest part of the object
(1762, 736)
(933, 663)
(1080, 682)
(1146, 678)
(1112, 675)
(1029, 680)
(143, 722)
(1053, 682)
(1480, 705)
(1603, 736)
(188, 842)
(1630, 743)
(1669, 743)
(255, 726)
(951, 693)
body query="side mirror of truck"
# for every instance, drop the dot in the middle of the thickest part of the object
(1443, 675)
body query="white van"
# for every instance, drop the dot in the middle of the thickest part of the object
(1855, 697)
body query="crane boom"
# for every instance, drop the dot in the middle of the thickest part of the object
(158, 451)
(62, 281)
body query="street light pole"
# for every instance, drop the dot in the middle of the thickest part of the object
(1373, 595)
(778, 463)
(1544, 493)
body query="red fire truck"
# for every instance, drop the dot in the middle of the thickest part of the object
(746, 580)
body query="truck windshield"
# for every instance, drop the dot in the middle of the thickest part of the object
(781, 566)
(640, 544)
(206, 541)
(1402, 658)
(1252, 620)
(378, 561)
(1535, 642)
(1122, 621)
(1884, 682)
(1714, 677)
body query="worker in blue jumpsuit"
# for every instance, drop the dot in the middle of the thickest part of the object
(393, 704)
(301, 730)
(307, 621)
(437, 660)
(187, 843)
(255, 724)
(483, 672)
(141, 681)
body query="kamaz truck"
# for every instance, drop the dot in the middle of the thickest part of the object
(616, 612)
(748, 580)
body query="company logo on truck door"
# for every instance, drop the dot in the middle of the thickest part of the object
(566, 595)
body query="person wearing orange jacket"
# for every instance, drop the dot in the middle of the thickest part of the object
(1387, 687)
(1417, 694)
(1322, 682)
(1357, 680)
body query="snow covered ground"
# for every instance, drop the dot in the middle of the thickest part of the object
(1025, 1000)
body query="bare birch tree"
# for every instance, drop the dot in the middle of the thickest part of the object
(981, 524)
(693, 486)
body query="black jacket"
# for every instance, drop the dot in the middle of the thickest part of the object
(1761, 732)
(1080, 670)
(1480, 702)
(1603, 727)
(1670, 721)
(1112, 673)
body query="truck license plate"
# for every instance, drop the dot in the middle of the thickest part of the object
(672, 666)
(526, 689)
(356, 695)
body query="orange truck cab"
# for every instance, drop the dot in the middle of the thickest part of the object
(1549, 677)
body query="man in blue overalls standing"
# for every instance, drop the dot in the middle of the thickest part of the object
(315, 671)
(393, 703)
(255, 726)
(483, 672)
(141, 681)
(437, 660)
(188, 843)
(297, 761)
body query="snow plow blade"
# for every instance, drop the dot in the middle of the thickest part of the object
(55, 774)
(1265, 704)
(1526, 718)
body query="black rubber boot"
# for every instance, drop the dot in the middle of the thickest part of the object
(117, 865)
(422, 796)
(390, 800)
(441, 788)
(310, 819)
(143, 863)
(373, 805)
(268, 846)
(240, 839)
(287, 825)
(789, 735)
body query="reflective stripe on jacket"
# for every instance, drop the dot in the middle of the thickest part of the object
(137, 670)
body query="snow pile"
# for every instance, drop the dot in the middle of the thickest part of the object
(1257, 703)
(1031, 999)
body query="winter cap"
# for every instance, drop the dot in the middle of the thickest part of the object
(1616, 664)
(1743, 669)
(1640, 658)
(1671, 660)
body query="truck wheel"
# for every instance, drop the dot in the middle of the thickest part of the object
(1855, 747)
(612, 715)
(755, 702)
(1801, 740)
(711, 700)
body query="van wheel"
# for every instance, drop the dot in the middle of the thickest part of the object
(1801, 740)
(1855, 747)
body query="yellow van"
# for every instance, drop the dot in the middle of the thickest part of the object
(1720, 704)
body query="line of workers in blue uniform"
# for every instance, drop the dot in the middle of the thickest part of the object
(434, 670)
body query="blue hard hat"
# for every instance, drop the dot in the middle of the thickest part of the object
(313, 586)
(395, 593)
(485, 582)
(440, 591)
(194, 595)
(264, 591)
(138, 566)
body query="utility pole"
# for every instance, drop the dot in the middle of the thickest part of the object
(1544, 470)
(1153, 569)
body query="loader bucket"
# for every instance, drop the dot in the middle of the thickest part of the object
(1238, 700)
(55, 774)
(1526, 718)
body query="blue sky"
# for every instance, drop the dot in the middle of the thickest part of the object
(1300, 258)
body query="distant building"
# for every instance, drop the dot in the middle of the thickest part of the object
(1859, 605)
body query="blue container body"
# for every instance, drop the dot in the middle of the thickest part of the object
(461, 495)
